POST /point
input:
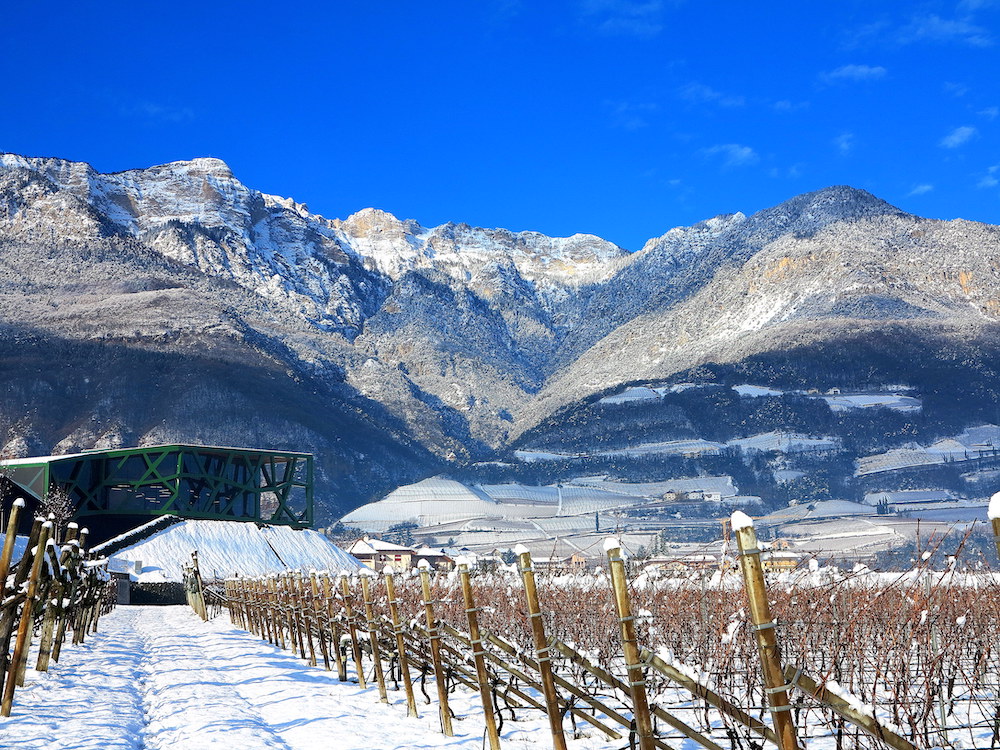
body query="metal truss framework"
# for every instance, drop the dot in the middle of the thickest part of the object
(185, 480)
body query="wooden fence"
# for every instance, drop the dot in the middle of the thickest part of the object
(50, 591)
(334, 621)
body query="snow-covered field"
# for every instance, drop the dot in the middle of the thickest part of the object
(158, 677)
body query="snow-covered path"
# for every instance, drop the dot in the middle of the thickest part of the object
(158, 677)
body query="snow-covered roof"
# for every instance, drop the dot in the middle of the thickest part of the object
(368, 546)
(229, 547)
(37, 460)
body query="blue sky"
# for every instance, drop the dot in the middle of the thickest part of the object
(620, 118)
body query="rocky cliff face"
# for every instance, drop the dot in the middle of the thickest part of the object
(446, 341)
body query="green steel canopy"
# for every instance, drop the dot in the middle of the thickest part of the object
(190, 481)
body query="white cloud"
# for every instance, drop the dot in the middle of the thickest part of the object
(920, 189)
(956, 89)
(974, 5)
(854, 73)
(959, 136)
(699, 92)
(844, 143)
(630, 115)
(933, 28)
(989, 179)
(642, 18)
(733, 154)
(786, 105)
(990, 113)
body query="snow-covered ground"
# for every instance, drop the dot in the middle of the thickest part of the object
(158, 677)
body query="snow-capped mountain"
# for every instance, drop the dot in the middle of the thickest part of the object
(330, 272)
(447, 341)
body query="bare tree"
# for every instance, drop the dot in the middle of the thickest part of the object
(58, 507)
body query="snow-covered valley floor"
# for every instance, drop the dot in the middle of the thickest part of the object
(158, 677)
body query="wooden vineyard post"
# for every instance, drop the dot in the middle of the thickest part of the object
(8, 616)
(21, 643)
(318, 611)
(36, 592)
(630, 646)
(290, 598)
(345, 589)
(8, 543)
(239, 605)
(397, 629)
(54, 606)
(334, 628)
(304, 604)
(229, 597)
(199, 592)
(278, 621)
(227, 602)
(76, 561)
(258, 607)
(255, 604)
(434, 636)
(478, 653)
(541, 648)
(764, 627)
(259, 602)
(366, 596)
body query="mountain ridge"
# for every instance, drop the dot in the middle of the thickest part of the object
(454, 340)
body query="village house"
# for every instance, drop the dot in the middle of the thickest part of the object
(376, 554)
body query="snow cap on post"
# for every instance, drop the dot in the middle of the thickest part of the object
(19, 503)
(388, 569)
(994, 511)
(741, 520)
(463, 560)
(365, 571)
(423, 564)
(611, 543)
(520, 550)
